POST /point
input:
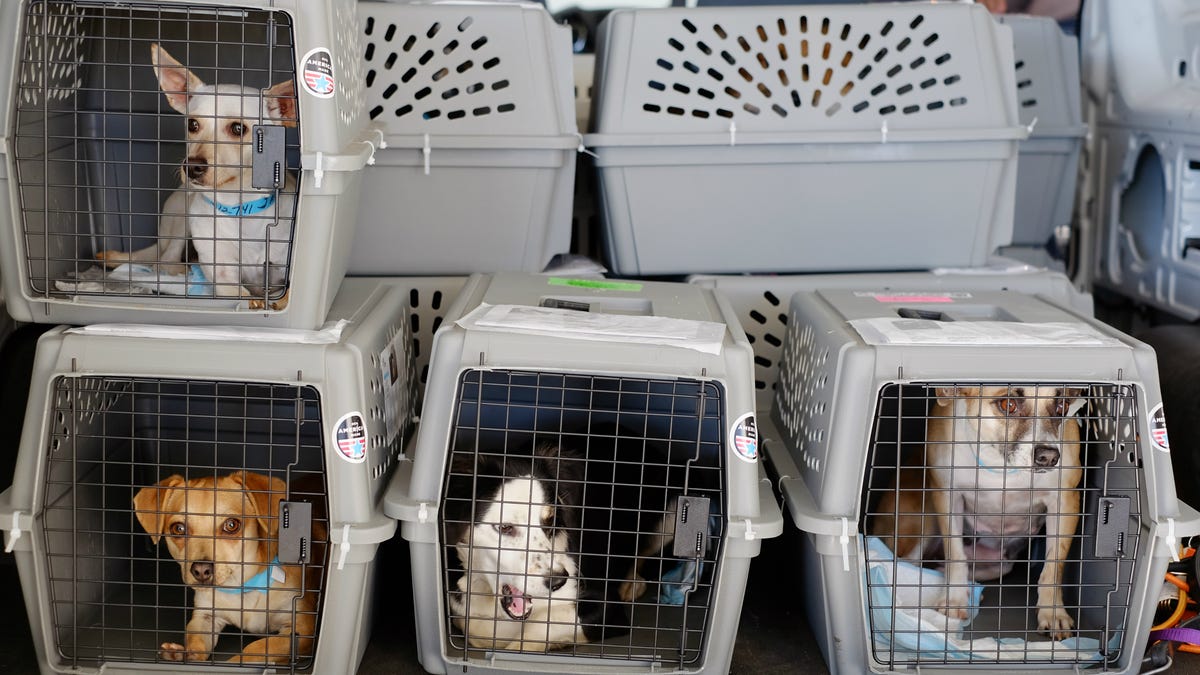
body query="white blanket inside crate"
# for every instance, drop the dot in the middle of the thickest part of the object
(907, 628)
(131, 279)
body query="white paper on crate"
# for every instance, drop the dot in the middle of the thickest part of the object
(902, 331)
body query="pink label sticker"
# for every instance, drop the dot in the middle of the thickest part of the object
(914, 298)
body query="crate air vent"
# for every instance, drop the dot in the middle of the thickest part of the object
(812, 63)
(445, 70)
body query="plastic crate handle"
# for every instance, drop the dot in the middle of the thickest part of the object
(14, 522)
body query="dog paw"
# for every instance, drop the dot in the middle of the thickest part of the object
(1055, 622)
(110, 258)
(170, 651)
(954, 605)
(632, 589)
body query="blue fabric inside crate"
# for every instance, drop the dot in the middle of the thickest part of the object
(902, 598)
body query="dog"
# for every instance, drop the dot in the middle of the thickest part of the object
(223, 532)
(998, 464)
(227, 220)
(544, 562)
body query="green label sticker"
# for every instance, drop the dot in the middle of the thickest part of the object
(597, 283)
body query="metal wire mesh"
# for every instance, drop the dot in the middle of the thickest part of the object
(162, 497)
(583, 514)
(1021, 504)
(134, 180)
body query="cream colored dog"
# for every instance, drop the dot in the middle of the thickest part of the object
(999, 462)
(241, 234)
(223, 533)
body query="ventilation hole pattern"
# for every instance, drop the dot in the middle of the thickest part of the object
(1025, 90)
(764, 325)
(802, 393)
(444, 70)
(807, 65)
(348, 67)
(50, 70)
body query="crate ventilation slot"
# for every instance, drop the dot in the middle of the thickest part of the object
(805, 64)
(803, 378)
(1025, 86)
(50, 69)
(446, 70)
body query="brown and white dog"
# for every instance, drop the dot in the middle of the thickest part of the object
(999, 462)
(242, 234)
(223, 532)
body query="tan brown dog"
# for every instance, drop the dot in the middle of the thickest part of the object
(223, 531)
(998, 463)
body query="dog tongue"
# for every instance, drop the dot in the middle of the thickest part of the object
(518, 602)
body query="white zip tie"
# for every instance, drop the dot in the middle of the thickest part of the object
(883, 131)
(845, 540)
(732, 134)
(1032, 124)
(583, 149)
(371, 159)
(319, 170)
(750, 533)
(423, 513)
(1172, 545)
(382, 139)
(345, 546)
(426, 151)
(14, 532)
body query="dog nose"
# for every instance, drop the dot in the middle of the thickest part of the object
(202, 571)
(1045, 456)
(556, 579)
(196, 166)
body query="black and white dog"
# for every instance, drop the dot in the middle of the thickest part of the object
(551, 545)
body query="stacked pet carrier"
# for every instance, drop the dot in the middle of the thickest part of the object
(821, 136)
(157, 155)
(584, 491)
(1036, 432)
(127, 423)
(201, 464)
(1140, 190)
(476, 107)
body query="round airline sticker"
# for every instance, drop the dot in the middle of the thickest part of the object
(1158, 428)
(317, 73)
(743, 438)
(350, 437)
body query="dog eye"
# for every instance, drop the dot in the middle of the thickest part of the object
(1060, 407)
(231, 525)
(1008, 406)
(237, 129)
(178, 529)
(507, 529)
(193, 126)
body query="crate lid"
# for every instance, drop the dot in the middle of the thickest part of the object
(468, 75)
(1047, 72)
(771, 74)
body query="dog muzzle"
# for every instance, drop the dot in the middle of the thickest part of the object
(515, 603)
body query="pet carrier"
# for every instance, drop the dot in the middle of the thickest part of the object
(475, 100)
(837, 138)
(256, 459)
(1140, 187)
(584, 492)
(1017, 508)
(761, 300)
(170, 162)
(1047, 71)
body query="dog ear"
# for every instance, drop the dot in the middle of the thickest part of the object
(265, 494)
(148, 505)
(945, 395)
(281, 103)
(176, 81)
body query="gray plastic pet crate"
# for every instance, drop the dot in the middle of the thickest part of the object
(327, 413)
(664, 365)
(1139, 193)
(1047, 70)
(761, 301)
(94, 150)
(476, 105)
(857, 381)
(804, 139)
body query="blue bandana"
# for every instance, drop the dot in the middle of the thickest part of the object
(258, 582)
(244, 209)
